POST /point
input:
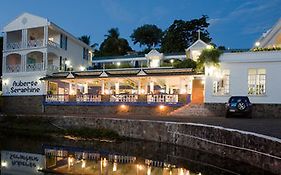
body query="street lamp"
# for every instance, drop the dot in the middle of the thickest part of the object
(172, 62)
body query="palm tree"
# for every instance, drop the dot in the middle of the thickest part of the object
(86, 39)
(113, 33)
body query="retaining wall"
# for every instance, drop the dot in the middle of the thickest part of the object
(257, 150)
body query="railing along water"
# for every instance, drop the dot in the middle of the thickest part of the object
(124, 98)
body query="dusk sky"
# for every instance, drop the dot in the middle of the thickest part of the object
(234, 23)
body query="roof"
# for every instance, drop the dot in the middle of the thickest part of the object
(129, 72)
(27, 20)
(199, 44)
(268, 37)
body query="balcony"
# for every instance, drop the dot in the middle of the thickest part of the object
(13, 68)
(35, 43)
(14, 46)
(34, 67)
(97, 99)
(53, 44)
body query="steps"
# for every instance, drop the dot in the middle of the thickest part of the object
(197, 110)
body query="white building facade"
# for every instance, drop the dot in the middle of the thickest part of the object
(33, 48)
(252, 74)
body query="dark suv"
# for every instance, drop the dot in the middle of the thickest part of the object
(239, 105)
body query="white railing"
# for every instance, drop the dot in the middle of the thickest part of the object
(34, 67)
(53, 68)
(88, 98)
(162, 98)
(53, 44)
(14, 46)
(35, 43)
(13, 68)
(57, 98)
(123, 98)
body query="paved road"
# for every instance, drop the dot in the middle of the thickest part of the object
(269, 127)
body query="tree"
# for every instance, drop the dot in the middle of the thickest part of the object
(187, 63)
(113, 45)
(181, 34)
(86, 39)
(149, 35)
(208, 57)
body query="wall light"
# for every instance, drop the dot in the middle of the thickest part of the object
(82, 68)
(257, 44)
(118, 64)
(123, 106)
(161, 107)
(4, 164)
(67, 62)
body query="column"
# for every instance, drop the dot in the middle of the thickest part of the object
(139, 87)
(4, 62)
(108, 87)
(86, 88)
(23, 63)
(117, 87)
(145, 88)
(102, 87)
(167, 89)
(151, 87)
(182, 87)
(4, 42)
(24, 38)
(45, 61)
(46, 38)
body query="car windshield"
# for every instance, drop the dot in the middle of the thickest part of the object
(238, 99)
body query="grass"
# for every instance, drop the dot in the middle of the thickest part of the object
(43, 127)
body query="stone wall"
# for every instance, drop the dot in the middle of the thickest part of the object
(259, 110)
(108, 110)
(254, 149)
(22, 104)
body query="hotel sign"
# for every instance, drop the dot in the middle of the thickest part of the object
(22, 86)
(12, 162)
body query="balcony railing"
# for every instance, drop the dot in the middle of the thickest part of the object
(53, 44)
(13, 68)
(162, 98)
(57, 98)
(35, 43)
(128, 98)
(88, 98)
(14, 46)
(123, 98)
(34, 67)
(53, 68)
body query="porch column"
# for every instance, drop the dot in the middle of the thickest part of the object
(182, 86)
(46, 38)
(102, 87)
(45, 61)
(151, 87)
(4, 64)
(145, 88)
(76, 88)
(139, 87)
(108, 87)
(23, 62)
(24, 38)
(167, 89)
(117, 87)
(4, 42)
(85, 88)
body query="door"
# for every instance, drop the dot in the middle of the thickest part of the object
(197, 95)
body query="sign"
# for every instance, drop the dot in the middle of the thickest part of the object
(24, 163)
(23, 86)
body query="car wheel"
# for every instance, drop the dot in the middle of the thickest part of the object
(241, 106)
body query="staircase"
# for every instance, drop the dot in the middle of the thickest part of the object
(197, 110)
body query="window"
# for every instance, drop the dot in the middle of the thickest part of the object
(256, 81)
(85, 54)
(63, 42)
(221, 86)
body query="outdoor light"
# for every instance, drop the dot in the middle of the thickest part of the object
(172, 61)
(148, 170)
(83, 163)
(257, 44)
(118, 64)
(5, 81)
(123, 106)
(104, 162)
(161, 107)
(209, 46)
(4, 164)
(67, 62)
(82, 68)
(139, 167)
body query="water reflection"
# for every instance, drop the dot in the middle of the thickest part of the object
(37, 156)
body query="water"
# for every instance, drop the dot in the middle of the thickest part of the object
(21, 155)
